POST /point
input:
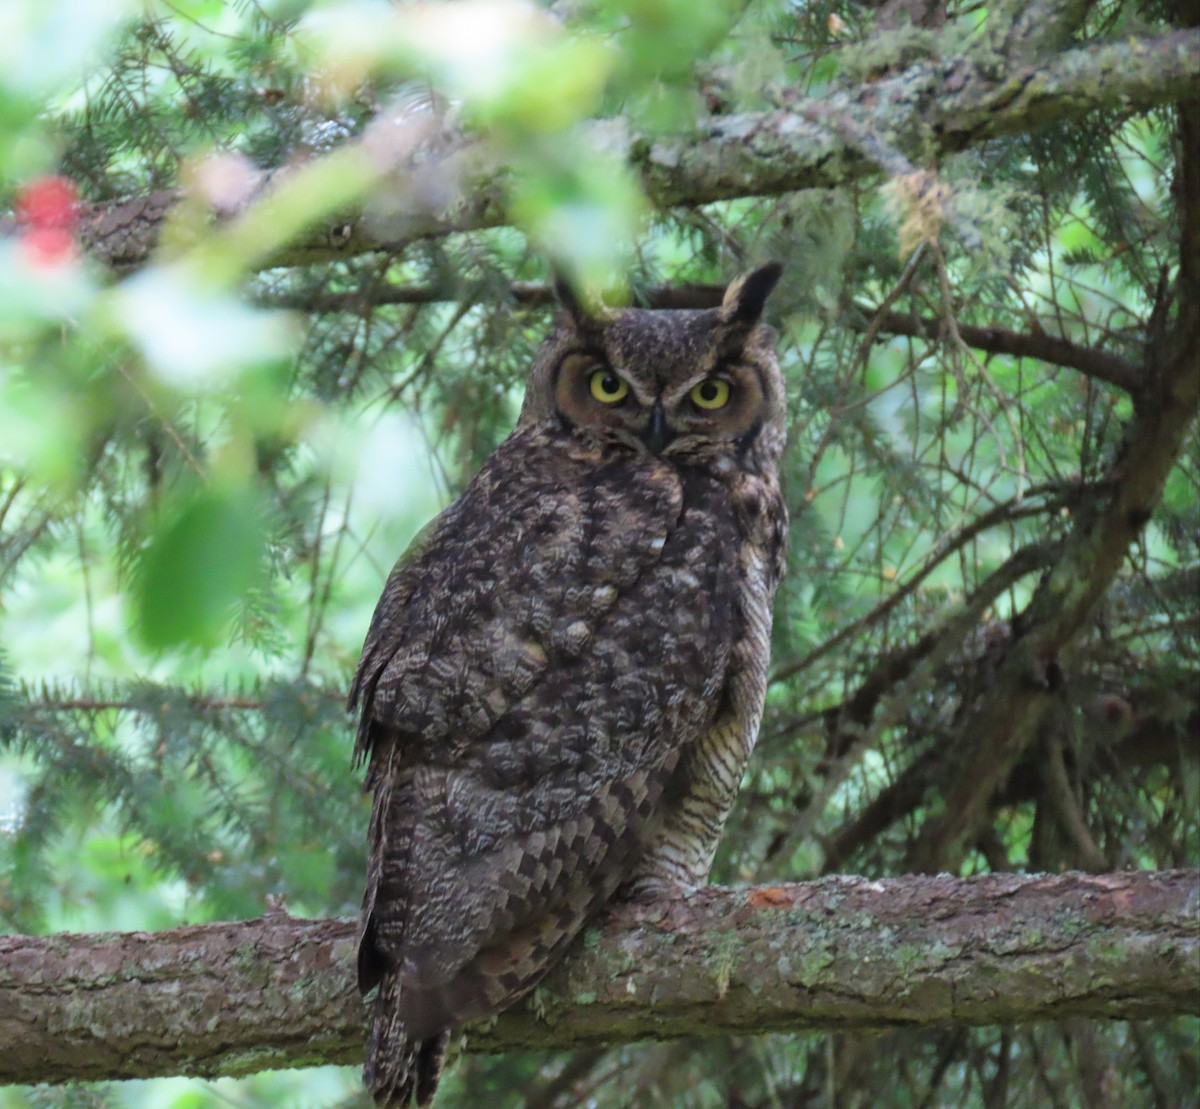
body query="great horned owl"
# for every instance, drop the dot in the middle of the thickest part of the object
(564, 677)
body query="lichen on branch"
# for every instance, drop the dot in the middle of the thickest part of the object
(839, 953)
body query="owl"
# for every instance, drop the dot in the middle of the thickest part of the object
(564, 677)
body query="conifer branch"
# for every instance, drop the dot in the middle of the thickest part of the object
(1004, 722)
(955, 102)
(1047, 348)
(1038, 344)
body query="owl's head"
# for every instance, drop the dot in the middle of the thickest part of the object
(694, 387)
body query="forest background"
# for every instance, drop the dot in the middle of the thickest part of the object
(270, 278)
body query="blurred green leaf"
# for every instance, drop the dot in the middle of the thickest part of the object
(195, 337)
(44, 43)
(197, 566)
(582, 206)
(551, 89)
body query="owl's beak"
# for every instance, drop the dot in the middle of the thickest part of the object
(657, 434)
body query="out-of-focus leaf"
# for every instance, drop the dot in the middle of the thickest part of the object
(583, 209)
(193, 337)
(45, 43)
(42, 429)
(31, 291)
(201, 562)
(552, 88)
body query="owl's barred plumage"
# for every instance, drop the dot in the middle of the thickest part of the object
(562, 683)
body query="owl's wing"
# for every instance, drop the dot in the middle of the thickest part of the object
(387, 623)
(528, 689)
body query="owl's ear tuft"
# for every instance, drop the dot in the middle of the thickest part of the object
(573, 306)
(744, 299)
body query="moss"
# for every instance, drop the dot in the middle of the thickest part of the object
(885, 50)
(815, 962)
(724, 960)
(246, 957)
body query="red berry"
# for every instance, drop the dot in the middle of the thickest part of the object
(47, 208)
(48, 202)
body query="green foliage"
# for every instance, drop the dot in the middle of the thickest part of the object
(207, 468)
(203, 560)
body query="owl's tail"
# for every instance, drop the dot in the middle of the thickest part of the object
(398, 1067)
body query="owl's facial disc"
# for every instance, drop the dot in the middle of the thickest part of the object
(683, 415)
(591, 396)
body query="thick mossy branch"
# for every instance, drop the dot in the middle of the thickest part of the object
(947, 102)
(836, 953)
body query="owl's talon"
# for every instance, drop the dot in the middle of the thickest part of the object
(647, 891)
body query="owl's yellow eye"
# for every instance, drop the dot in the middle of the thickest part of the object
(607, 387)
(711, 393)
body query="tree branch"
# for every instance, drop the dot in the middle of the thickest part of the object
(531, 294)
(956, 101)
(838, 953)
(1046, 348)
(992, 340)
(1060, 796)
(1005, 721)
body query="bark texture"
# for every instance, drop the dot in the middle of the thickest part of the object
(838, 953)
